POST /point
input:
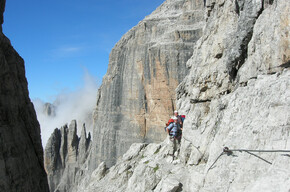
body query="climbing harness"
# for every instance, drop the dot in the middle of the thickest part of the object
(228, 151)
(172, 137)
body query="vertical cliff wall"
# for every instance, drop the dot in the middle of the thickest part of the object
(21, 153)
(137, 95)
(237, 95)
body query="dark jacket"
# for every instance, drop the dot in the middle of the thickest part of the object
(179, 120)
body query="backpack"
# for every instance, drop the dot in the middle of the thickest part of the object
(168, 123)
(171, 121)
(175, 134)
(182, 118)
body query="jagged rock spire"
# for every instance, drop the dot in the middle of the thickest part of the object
(66, 151)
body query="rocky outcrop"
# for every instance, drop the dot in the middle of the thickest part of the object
(236, 46)
(137, 95)
(234, 100)
(49, 110)
(21, 153)
(252, 117)
(65, 156)
(235, 95)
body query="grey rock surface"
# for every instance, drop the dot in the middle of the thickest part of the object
(237, 45)
(21, 153)
(255, 117)
(137, 95)
(65, 157)
(235, 94)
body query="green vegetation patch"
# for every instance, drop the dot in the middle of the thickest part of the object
(157, 151)
(156, 168)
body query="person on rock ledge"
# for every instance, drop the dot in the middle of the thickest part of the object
(175, 130)
(179, 120)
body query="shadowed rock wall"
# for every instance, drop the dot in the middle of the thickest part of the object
(21, 153)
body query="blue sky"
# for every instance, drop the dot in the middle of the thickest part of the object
(60, 39)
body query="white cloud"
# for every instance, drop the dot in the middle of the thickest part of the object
(70, 49)
(66, 51)
(78, 104)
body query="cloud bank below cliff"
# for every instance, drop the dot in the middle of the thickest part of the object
(68, 105)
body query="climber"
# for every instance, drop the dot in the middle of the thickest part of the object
(179, 119)
(174, 129)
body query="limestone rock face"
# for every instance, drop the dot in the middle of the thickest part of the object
(137, 95)
(65, 156)
(21, 154)
(236, 46)
(235, 95)
(231, 99)
(252, 117)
